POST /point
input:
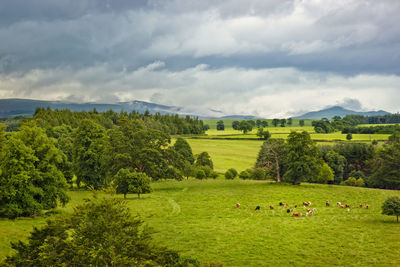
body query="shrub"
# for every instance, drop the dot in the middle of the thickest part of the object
(351, 181)
(391, 206)
(360, 182)
(258, 174)
(229, 175)
(234, 172)
(214, 174)
(207, 170)
(98, 233)
(244, 175)
(200, 174)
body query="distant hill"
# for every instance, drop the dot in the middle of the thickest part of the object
(238, 117)
(26, 107)
(338, 111)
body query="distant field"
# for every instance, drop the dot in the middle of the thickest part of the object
(199, 219)
(228, 123)
(228, 153)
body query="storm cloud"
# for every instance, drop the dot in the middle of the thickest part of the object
(241, 57)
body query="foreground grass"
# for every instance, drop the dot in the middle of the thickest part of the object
(199, 219)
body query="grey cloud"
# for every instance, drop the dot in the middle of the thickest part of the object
(351, 103)
(337, 36)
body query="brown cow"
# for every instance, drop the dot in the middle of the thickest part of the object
(271, 207)
(297, 214)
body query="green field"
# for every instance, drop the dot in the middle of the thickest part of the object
(228, 153)
(199, 219)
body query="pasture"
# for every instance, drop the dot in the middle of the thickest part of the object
(199, 219)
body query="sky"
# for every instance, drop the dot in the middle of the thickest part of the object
(268, 58)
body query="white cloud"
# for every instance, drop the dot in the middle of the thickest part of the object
(263, 92)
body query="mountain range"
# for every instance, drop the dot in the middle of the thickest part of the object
(26, 107)
(338, 111)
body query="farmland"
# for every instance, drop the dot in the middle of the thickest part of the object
(199, 219)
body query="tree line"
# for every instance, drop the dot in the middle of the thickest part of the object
(299, 159)
(43, 158)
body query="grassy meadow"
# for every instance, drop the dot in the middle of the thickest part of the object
(199, 219)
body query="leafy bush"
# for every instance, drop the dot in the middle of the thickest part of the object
(200, 174)
(351, 181)
(258, 174)
(244, 175)
(234, 172)
(360, 182)
(98, 233)
(229, 175)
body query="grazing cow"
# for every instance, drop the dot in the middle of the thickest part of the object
(309, 203)
(297, 214)
(280, 204)
(258, 208)
(237, 205)
(305, 203)
(367, 206)
(295, 206)
(347, 206)
(348, 210)
(309, 213)
(361, 205)
(314, 210)
(271, 207)
(339, 204)
(327, 203)
(308, 210)
(288, 211)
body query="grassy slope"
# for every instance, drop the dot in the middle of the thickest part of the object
(199, 219)
(228, 153)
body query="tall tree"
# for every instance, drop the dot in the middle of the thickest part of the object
(89, 154)
(29, 178)
(290, 121)
(220, 125)
(272, 157)
(204, 159)
(182, 147)
(301, 123)
(303, 161)
(337, 162)
(245, 126)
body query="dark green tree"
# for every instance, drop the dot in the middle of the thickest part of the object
(290, 121)
(391, 207)
(235, 125)
(220, 125)
(283, 122)
(89, 154)
(337, 162)
(303, 161)
(204, 159)
(265, 135)
(29, 178)
(130, 181)
(272, 157)
(245, 126)
(301, 123)
(98, 233)
(275, 122)
(264, 123)
(386, 168)
(182, 147)
(349, 136)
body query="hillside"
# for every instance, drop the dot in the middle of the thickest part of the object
(338, 111)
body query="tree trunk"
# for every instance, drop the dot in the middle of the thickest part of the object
(138, 195)
(278, 176)
(124, 195)
(397, 218)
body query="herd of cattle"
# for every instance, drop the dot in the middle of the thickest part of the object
(306, 207)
